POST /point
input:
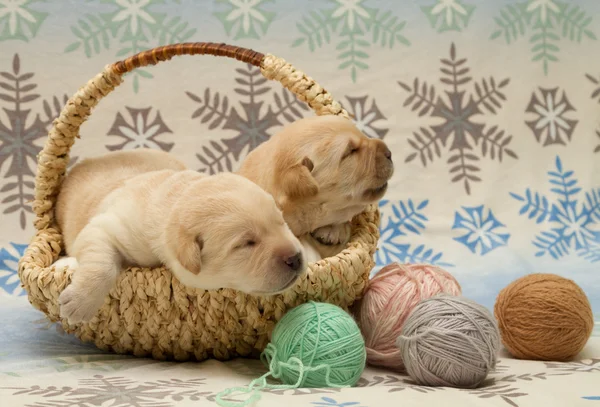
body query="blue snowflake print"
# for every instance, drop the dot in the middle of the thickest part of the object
(397, 221)
(574, 216)
(9, 278)
(329, 402)
(482, 230)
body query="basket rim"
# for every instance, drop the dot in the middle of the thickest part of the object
(54, 156)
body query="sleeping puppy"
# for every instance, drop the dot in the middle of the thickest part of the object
(322, 171)
(144, 208)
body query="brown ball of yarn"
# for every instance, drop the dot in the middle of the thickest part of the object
(544, 317)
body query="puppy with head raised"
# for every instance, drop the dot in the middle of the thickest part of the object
(322, 171)
(144, 208)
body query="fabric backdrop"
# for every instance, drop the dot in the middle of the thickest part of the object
(491, 109)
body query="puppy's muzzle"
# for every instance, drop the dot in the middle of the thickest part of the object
(386, 152)
(294, 263)
(385, 165)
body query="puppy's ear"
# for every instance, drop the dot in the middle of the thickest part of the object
(188, 250)
(298, 182)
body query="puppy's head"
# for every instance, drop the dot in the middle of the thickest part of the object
(321, 170)
(226, 232)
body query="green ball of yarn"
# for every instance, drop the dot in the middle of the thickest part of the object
(314, 345)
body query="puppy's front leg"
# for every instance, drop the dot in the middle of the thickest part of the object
(333, 235)
(97, 271)
(331, 239)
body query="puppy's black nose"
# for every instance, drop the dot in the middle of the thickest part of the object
(388, 154)
(294, 262)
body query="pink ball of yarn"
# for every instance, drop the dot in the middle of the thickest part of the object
(389, 299)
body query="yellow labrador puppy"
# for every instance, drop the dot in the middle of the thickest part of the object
(144, 208)
(322, 171)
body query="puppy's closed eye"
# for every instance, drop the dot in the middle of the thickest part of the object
(246, 242)
(351, 149)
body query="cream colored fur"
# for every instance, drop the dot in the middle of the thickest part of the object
(145, 208)
(322, 171)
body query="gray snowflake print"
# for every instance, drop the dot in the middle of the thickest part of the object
(596, 96)
(117, 391)
(251, 123)
(505, 392)
(528, 377)
(550, 111)
(21, 137)
(506, 388)
(583, 366)
(395, 384)
(140, 130)
(366, 118)
(302, 391)
(459, 133)
(262, 110)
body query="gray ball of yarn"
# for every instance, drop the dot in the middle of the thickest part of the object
(449, 341)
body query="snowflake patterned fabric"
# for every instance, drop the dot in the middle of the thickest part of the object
(490, 109)
(467, 140)
(573, 216)
(495, 140)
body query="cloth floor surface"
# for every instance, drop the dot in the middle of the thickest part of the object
(490, 108)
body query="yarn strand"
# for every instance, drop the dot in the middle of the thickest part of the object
(275, 371)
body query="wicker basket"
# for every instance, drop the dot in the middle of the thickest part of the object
(149, 312)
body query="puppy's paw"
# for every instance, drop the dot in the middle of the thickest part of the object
(79, 305)
(333, 235)
(66, 262)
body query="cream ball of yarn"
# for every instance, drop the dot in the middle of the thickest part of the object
(449, 341)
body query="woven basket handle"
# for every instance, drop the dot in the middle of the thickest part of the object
(54, 157)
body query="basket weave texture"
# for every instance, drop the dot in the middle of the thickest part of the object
(149, 312)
